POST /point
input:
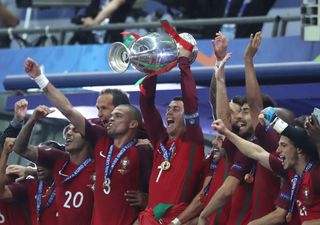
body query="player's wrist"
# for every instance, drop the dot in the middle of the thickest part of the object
(176, 221)
(42, 81)
(218, 63)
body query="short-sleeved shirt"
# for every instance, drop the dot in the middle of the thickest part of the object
(74, 198)
(127, 175)
(13, 214)
(307, 200)
(27, 192)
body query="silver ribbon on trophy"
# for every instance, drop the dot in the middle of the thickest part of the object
(153, 53)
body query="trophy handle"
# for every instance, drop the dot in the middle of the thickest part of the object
(119, 57)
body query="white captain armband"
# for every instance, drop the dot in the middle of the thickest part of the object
(191, 119)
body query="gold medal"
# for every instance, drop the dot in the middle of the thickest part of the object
(165, 165)
(289, 217)
(248, 178)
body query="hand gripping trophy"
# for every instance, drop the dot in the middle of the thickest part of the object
(153, 53)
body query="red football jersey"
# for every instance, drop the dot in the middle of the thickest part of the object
(27, 191)
(307, 200)
(74, 198)
(13, 214)
(128, 174)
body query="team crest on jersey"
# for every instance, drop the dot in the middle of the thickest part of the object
(124, 164)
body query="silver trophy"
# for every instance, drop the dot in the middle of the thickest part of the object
(149, 53)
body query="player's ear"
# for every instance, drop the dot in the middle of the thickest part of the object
(133, 124)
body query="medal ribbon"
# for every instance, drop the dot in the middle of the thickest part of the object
(167, 153)
(110, 166)
(75, 173)
(296, 186)
(39, 197)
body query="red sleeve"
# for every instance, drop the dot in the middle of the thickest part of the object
(93, 132)
(190, 102)
(20, 190)
(277, 167)
(283, 200)
(47, 156)
(268, 138)
(152, 118)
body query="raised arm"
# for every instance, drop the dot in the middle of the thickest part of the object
(5, 192)
(22, 146)
(189, 98)
(253, 92)
(55, 96)
(222, 103)
(219, 199)
(220, 45)
(20, 111)
(247, 148)
(152, 118)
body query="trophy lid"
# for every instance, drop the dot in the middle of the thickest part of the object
(189, 38)
(118, 56)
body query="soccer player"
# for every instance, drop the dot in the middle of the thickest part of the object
(178, 167)
(296, 152)
(38, 193)
(119, 162)
(73, 171)
(9, 211)
(231, 193)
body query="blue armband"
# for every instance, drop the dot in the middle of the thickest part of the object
(191, 119)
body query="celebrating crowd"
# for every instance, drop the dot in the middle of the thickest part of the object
(127, 167)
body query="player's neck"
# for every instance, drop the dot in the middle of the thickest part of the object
(123, 140)
(48, 180)
(78, 157)
(300, 165)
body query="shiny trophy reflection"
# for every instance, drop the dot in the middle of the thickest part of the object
(149, 53)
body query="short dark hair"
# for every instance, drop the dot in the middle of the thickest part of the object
(134, 114)
(300, 139)
(239, 100)
(118, 97)
(177, 98)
